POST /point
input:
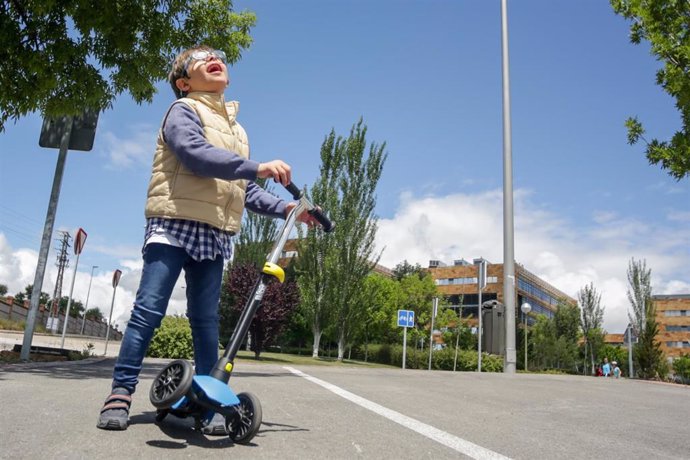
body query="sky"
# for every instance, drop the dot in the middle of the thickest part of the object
(425, 77)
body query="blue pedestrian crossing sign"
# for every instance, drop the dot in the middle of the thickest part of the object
(406, 318)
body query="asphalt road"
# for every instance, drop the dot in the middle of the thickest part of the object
(318, 412)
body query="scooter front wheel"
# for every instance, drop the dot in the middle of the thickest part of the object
(245, 423)
(171, 384)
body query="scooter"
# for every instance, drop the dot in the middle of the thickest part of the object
(177, 391)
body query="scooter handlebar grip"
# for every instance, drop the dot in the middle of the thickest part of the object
(325, 222)
(294, 191)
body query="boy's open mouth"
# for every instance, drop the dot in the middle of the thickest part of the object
(214, 67)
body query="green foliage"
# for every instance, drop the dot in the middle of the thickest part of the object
(681, 368)
(173, 339)
(3, 289)
(441, 359)
(257, 236)
(554, 340)
(67, 56)
(94, 313)
(591, 320)
(404, 269)
(649, 359)
(664, 23)
(333, 267)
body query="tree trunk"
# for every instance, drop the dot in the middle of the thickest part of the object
(341, 346)
(315, 347)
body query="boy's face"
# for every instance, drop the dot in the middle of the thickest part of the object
(206, 72)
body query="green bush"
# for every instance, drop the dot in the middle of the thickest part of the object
(441, 359)
(173, 339)
(681, 368)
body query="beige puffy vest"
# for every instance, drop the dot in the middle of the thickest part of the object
(177, 193)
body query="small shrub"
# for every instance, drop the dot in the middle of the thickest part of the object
(681, 368)
(173, 339)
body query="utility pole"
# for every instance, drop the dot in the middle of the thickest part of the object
(62, 263)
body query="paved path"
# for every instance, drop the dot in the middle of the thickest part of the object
(72, 342)
(322, 412)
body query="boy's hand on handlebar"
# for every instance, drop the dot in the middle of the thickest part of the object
(277, 170)
(305, 217)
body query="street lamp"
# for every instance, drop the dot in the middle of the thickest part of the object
(526, 308)
(86, 307)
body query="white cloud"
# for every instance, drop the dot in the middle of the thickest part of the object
(134, 150)
(567, 254)
(18, 269)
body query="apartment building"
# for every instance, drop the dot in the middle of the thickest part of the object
(673, 318)
(459, 281)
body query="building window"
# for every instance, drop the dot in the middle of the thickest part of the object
(677, 328)
(677, 313)
(678, 344)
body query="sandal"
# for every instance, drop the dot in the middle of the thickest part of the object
(115, 411)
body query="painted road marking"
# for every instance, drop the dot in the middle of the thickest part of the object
(458, 444)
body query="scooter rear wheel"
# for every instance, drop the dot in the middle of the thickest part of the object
(245, 423)
(171, 384)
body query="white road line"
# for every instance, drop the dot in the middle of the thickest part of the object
(460, 445)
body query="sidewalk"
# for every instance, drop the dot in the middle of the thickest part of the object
(8, 339)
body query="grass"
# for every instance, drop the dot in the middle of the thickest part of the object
(285, 358)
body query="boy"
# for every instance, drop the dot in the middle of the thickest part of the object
(202, 179)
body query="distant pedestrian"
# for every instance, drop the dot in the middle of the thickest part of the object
(606, 368)
(616, 370)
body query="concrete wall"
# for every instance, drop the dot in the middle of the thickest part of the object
(92, 328)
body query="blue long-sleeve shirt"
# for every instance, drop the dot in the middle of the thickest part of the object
(184, 135)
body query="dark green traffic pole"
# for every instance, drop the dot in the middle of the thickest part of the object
(45, 242)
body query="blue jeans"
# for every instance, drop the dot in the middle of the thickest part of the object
(162, 266)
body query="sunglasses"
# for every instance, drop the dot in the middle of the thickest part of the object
(204, 55)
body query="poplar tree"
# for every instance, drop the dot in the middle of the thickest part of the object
(333, 267)
(591, 320)
(639, 293)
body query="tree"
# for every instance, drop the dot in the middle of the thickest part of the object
(75, 308)
(664, 23)
(278, 303)
(639, 293)
(567, 328)
(591, 320)
(257, 235)
(404, 269)
(380, 299)
(20, 297)
(332, 267)
(647, 351)
(68, 56)
(94, 314)
(3, 289)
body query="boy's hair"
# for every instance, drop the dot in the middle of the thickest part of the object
(179, 70)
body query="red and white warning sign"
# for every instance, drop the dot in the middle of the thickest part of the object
(79, 241)
(116, 277)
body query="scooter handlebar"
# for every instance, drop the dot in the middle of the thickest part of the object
(316, 212)
(325, 222)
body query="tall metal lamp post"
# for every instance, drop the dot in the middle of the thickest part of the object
(86, 307)
(526, 308)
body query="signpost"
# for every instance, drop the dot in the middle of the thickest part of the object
(76, 133)
(79, 241)
(116, 280)
(481, 284)
(405, 320)
(434, 308)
